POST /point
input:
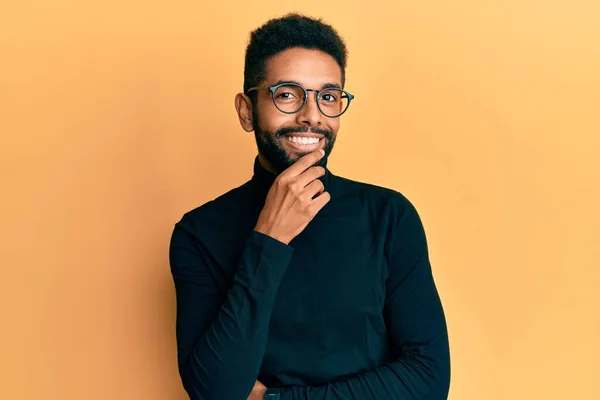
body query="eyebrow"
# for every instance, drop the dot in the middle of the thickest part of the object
(324, 86)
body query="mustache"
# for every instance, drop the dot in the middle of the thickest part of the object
(302, 129)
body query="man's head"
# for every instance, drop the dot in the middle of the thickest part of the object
(285, 56)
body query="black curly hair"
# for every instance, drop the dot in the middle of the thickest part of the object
(288, 31)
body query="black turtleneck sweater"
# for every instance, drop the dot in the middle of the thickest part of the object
(347, 310)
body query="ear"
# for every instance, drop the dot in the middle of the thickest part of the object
(243, 106)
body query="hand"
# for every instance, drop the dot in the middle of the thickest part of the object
(258, 392)
(290, 206)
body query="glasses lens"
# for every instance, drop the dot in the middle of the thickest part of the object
(333, 102)
(289, 98)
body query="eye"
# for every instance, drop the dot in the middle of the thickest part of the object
(288, 93)
(329, 97)
(285, 95)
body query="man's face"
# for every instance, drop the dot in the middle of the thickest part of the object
(279, 136)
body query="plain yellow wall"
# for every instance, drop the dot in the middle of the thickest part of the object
(116, 117)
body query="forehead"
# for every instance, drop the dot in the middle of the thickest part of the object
(307, 67)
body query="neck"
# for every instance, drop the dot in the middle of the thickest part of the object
(265, 174)
(266, 164)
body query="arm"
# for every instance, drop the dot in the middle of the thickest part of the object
(420, 369)
(221, 337)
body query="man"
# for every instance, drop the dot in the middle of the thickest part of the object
(300, 284)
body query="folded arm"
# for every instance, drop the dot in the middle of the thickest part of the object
(420, 369)
(222, 334)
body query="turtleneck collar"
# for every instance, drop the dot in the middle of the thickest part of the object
(264, 179)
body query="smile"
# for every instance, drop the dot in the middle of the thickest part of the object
(303, 140)
(303, 143)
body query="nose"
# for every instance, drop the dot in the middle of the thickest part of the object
(310, 115)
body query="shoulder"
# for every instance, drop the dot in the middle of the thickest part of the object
(391, 208)
(216, 211)
(392, 199)
(395, 214)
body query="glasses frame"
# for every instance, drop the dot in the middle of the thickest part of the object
(318, 93)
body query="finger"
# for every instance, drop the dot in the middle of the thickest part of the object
(309, 176)
(303, 163)
(313, 189)
(319, 202)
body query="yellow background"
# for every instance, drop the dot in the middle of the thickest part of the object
(116, 117)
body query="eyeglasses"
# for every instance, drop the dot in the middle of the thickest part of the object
(289, 98)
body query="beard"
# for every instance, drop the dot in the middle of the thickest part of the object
(270, 145)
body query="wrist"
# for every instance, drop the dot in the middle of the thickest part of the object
(269, 232)
(259, 392)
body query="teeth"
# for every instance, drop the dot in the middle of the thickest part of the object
(303, 140)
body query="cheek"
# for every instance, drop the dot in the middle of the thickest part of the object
(334, 125)
(271, 119)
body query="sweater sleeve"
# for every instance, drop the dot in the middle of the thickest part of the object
(221, 337)
(420, 366)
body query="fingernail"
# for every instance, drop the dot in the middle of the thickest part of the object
(322, 151)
